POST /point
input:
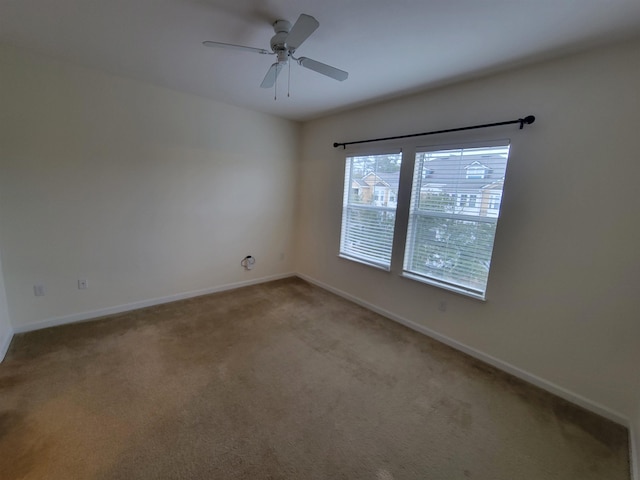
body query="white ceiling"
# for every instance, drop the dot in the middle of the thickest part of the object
(388, 47)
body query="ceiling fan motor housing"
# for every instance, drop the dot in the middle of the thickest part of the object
(279, 40)
(281, 26)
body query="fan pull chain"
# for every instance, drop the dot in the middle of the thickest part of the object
(275, 86)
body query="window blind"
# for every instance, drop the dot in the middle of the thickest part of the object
(455, 205)
(369, 208)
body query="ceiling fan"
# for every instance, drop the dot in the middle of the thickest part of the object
(283, 44)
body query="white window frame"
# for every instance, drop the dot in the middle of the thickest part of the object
(344, 251)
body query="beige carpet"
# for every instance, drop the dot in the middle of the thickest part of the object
(280, 381)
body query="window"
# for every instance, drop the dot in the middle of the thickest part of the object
(368, 217)
(450, 216)
(379, 195)
(448, 243)
(467, 200)
(494, 200)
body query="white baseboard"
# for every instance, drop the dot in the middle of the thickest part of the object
(78, 317)
(5, 342)
(504, 366)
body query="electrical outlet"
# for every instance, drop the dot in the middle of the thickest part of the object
(38, 290)
(248, 262)
(82, 284)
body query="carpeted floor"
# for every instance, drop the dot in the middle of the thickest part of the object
(280, 381)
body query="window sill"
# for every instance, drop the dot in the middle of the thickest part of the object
(444, 286)
(365, 262)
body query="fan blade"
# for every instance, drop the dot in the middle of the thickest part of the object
(272, 74)
(237, 47)
(323, 68)
(304, 26)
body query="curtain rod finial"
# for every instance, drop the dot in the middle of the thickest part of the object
(529, 119)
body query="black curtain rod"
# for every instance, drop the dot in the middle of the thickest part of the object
(528, 120)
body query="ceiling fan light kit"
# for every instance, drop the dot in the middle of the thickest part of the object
(284, 43)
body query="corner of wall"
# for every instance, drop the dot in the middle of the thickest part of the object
(6, 329)
(5, 341)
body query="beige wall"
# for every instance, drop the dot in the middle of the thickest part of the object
(562, 301)
(143, 191)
